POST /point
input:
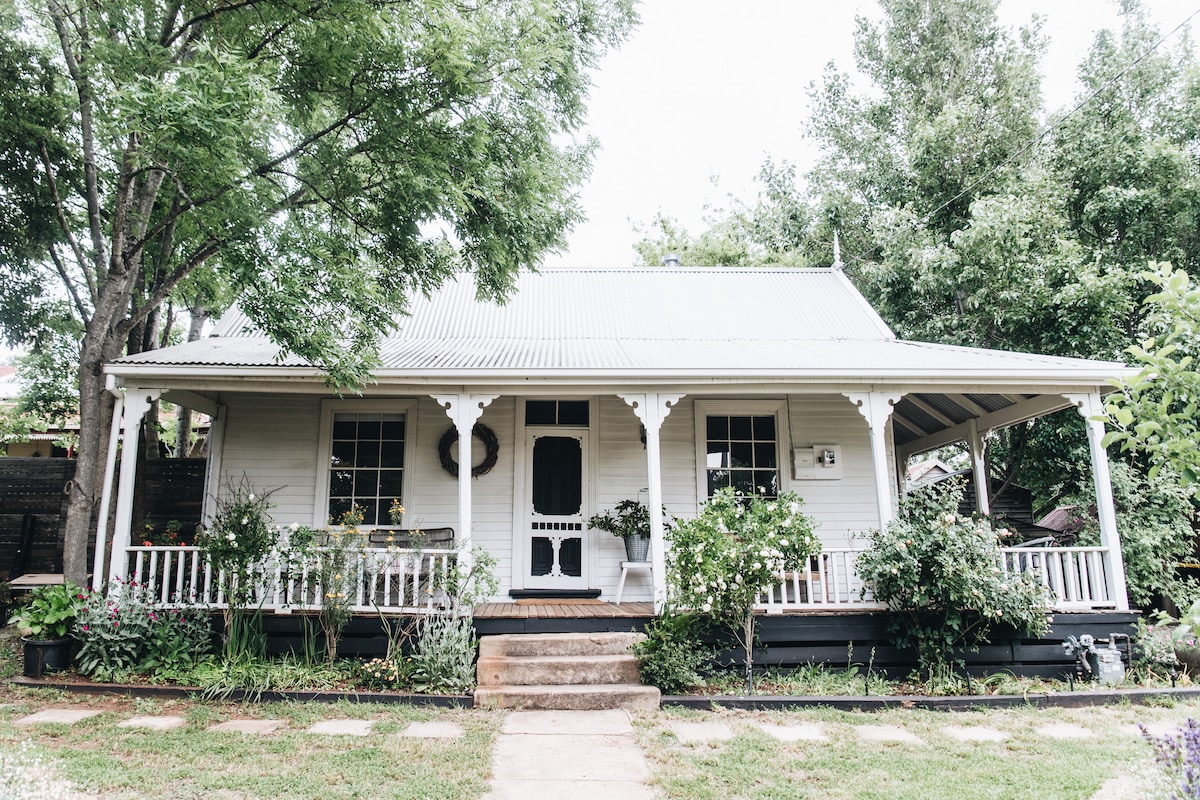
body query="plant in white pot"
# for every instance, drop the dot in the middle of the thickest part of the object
(629, 520)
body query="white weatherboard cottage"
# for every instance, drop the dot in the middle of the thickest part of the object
(598, 385)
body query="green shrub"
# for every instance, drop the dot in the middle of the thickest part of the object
(393, 672)
(121, 634)
(719, 562)
(671, 657)
(940, 574)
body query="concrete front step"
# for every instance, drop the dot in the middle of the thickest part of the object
(556, 670)
(568, 698)
(557, 644)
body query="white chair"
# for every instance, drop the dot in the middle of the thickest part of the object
(632, 566)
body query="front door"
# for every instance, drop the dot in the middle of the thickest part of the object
(556, 484)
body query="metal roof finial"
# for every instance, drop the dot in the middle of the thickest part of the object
(837, 253)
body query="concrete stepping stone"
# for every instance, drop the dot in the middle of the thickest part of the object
(154, 723)
(974, 733)
(888, 733)
(57, 716)
(342, 727)
(1160, 729)
(260, 727)
(433, 730)
(701, 731)
(1064, 730)
(611, 722)
(525, 757)
(794, 733)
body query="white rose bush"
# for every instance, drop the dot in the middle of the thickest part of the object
(719, 563)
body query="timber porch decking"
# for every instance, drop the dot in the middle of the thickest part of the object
(595, 609)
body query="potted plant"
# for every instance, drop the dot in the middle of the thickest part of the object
(629, 520)
(45, 623)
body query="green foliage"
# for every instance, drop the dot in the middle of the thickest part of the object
(444, 660)
(50, 611)
(628, 518)
(340, 560)
(1154, 517)
(940, 575)
(1156, 411)
(386, 674)
(122, 633)
(238, 541)
(671, 657)
(719, 562)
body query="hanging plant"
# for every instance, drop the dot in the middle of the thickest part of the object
(491, 447)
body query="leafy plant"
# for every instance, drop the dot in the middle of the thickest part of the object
(940, 574)
(122, 633)
(49, 612)
(671, 657)
(628, 518)
(388, 673)
(719, 562)
(445, 656)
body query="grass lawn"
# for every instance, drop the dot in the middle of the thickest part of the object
(1027, 765)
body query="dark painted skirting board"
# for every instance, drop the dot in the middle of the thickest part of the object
(494, 626)
(553, 594)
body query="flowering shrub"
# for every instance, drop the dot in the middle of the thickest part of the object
(237, 545)
(338, 575)
(121, 633)
(940, 573)
(721, 561)
(1178, 757)
(395, 672)
(1155, 647)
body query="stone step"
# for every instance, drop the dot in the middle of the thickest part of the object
(556, 670)
(557, 644)
(568, 698)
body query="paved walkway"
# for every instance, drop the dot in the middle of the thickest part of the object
(583, 755)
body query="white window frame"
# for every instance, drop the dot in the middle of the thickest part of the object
(753, 408)
(405, 406)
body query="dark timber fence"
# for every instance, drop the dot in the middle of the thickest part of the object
(33, 507)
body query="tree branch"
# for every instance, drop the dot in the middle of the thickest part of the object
(62, 221)
(70, 284)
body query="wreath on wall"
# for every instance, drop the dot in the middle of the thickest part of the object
(483, 433)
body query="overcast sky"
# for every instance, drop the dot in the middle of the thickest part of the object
(702, 92)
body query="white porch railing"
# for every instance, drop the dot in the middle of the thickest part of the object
(1075, 576)
(386, 579)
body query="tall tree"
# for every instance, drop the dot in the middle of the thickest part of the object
(298, 150)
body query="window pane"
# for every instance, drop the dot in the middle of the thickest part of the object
(540, 412)
(368, 428)
(341, 483)
(718, 427)
(764, 454)
(368, 453)
(740, 428)
(743, 481)
(391, 454)
(392, 429)
(766, 482)
(391, 483)
(718, 455)
(344, 426)
(764, 428)
(742, 454)
(370, 510)
(366, 483)
(573, 412)
(343, 453)
(338, 506)
(717, 479)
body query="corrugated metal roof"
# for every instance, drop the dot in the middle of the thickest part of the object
(641, 321)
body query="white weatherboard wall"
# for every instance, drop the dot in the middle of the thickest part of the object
(272, 440)
(845, 506)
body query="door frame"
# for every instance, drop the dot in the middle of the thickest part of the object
(590, 548)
